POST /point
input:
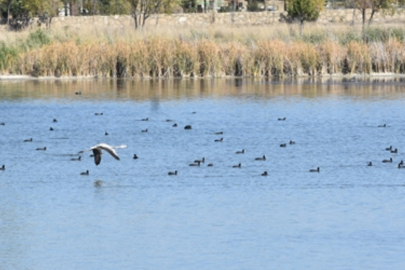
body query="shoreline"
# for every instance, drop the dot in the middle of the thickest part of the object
(352, 77)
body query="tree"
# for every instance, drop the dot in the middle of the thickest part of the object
(142, 9)
(375, 5)
(304, 10)
(16, 10)
(8, 4)
(114, 7)
(189, 5)
(47, 9)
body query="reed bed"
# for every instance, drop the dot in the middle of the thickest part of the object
(250, 52)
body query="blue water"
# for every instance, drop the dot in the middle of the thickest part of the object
(130, 214)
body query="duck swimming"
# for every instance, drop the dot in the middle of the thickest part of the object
(200, 160)
(261, 158)
(172, 173)
(195, 164)
(314, 170)
(85, 173)
(387, 160)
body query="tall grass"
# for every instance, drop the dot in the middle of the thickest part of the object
(212, 52)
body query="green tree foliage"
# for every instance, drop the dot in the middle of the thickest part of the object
(304, 10)
(189, 5)
(142, 9)
(47, 9)
(253, 6)
(387, 6)
(114, 7)
(6, 7)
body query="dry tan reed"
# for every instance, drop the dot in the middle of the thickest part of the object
(203, 52)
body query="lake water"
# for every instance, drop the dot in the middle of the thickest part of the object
(130, 214)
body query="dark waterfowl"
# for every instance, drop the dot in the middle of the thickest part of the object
(389, 148)
(370, 164)
(200, 160)
(314, 170)
(54, 120)
(172, 173)
(385, 125)
(219, 133)
(282, 119)
(135, 156)
(169, 120)
(187, 127)
(106, 133)
(237, 166)
(41, 148)
(76, 159)
(292, 142)
(145, 119)
(394, 151)
(2, 124)
(3, 168)
(400, 166)
(219, 140)
(174, 125)
(144, 130)
(78, 93)
(98, 114)
(51, 129)
(387, 160)
(261, 158)
(265, 173)
(28, 140)
(240, 152)
(194, 164)
(283, 145)
(97, 151)
(210, 165)
(85, 173)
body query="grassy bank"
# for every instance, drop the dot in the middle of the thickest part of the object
(217, 52)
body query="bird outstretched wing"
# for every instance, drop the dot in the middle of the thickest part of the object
(97, 155)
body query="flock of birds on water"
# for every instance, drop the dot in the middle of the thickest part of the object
(98, 149)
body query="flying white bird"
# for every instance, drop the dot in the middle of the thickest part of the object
(97, 151)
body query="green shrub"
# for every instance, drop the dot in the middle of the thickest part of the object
(37, 39)
(8, 55)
